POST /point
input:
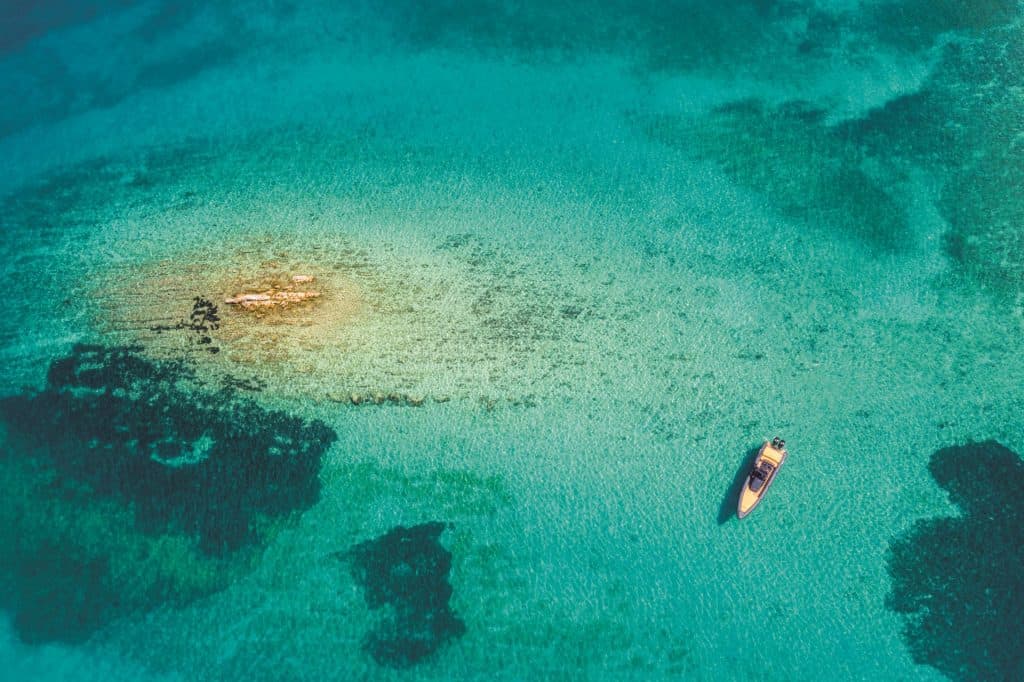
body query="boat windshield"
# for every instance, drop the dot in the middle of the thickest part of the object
(759, 475)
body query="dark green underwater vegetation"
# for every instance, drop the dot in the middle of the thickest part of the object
(789, 156)
(917, 23)
(665, 34)
(407, 569)
(960, 129)
(139, 487)
(957, 580)
(964, 126)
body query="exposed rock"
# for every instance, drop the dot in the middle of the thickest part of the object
(271, 299)
(278, 295)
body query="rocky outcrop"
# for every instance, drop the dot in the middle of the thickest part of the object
(276, 297)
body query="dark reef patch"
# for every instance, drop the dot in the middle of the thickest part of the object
(131, 486)
(68, 202)
(957, 580)
(62, 595)
(164, 44)
(203, 319)
(985, 212)
(910, 126)
(194, 461)
(407, 569)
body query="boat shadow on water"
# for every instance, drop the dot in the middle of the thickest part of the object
(727, 509)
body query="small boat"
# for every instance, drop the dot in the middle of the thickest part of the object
(769, 460)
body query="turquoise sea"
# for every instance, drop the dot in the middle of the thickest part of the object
(527, 283)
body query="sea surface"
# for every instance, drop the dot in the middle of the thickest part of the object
(537, 279)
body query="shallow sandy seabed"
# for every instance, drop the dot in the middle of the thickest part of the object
(604, 285)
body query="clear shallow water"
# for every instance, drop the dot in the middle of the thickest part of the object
(610, 249)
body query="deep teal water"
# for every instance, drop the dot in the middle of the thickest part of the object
(572, 263)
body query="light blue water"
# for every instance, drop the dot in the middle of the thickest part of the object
(573, 261)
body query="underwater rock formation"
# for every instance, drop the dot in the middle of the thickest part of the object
(407, 569)
(957, 580)
(130, 487)
(378, 398)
